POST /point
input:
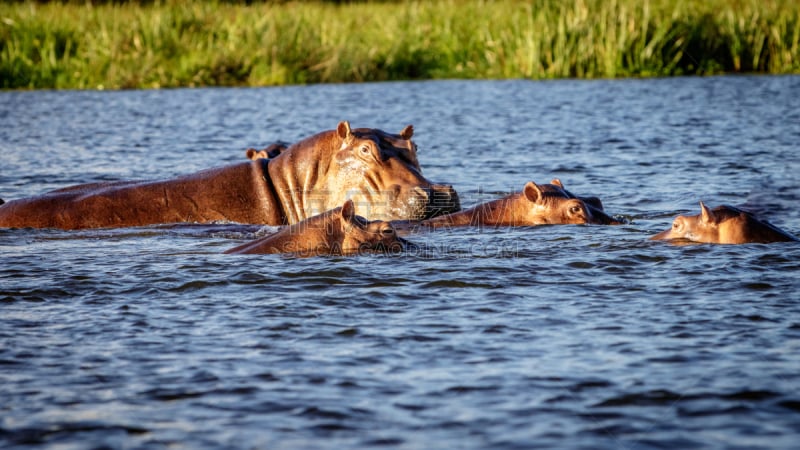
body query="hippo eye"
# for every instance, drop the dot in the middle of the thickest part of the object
(574, 210)
(388, 231)
(365, 149)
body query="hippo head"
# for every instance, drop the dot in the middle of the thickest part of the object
(723, 225)
(551, 204)
(360, 235)
(338, 231)
(593, 205)
(380, 171)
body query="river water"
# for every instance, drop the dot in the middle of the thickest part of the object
(555, 336)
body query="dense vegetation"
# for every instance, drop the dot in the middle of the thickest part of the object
(80, 45)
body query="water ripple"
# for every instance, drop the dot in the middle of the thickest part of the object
(551, 336)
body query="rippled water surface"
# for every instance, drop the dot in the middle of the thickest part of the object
(556, 336)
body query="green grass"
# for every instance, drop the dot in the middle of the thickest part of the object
(176, 44)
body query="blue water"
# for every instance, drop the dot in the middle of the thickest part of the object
(556, 336)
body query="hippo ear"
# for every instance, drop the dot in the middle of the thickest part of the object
(407, 132)
(275, 149)
(532, 192)
(344, 130)
(253, 154)
(706, 214)
(348, 210)
(557, 182)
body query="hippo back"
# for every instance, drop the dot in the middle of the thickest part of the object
(723, 225)
(236, 193)
(751, 228)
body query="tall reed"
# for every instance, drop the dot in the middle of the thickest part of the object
(174, 44)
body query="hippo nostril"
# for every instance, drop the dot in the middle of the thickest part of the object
(443, 189)
(445, 199)
(599, 217)
(432, 201)
(421, 192)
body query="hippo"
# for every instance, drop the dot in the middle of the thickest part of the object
(378, 170)
(336, 232)
(535, 205)
(724, 225)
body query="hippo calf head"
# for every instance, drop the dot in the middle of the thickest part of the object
(336, 232)
(723, 225)
(535, 205)
(552, 204)
(360, 235)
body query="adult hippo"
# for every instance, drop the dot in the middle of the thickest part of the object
(724, 225)
(378, 170)
(536, 204)
(336, 232)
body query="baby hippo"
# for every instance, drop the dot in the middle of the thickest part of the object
(336, 232)
(724, 225)
(535, 205)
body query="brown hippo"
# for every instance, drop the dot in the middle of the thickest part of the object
(724, 225)
(378, 170)
(336, 232)
(535, 205)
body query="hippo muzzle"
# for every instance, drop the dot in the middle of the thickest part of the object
(599, 217)
(400, 245)
(436, 200)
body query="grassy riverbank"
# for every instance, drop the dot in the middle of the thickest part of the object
(202, 44)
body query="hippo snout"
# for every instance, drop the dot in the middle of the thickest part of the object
(443, 199)
(599, 217)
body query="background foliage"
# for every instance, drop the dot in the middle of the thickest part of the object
(170, 44)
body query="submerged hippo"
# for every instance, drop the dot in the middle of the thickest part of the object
(336, 232)
(378, 170)
(535, 205)
(724, 225)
